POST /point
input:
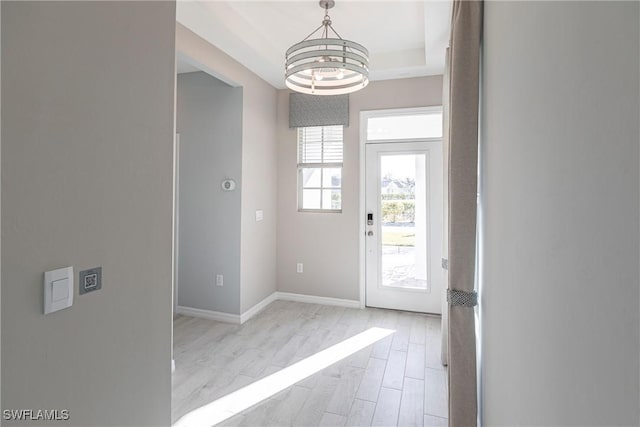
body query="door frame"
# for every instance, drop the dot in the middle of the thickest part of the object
(364, 116)
(176, 219)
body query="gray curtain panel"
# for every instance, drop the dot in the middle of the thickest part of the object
(464, 60)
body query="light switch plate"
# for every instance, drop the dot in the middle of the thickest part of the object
(58, 289)
(259, 215)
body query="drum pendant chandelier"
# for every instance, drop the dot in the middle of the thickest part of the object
(326, 65)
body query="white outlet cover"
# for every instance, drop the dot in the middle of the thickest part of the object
(58, 289)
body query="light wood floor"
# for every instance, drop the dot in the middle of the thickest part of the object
(398, 381)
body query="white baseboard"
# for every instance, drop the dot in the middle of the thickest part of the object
(312, 299)
(209, 314)
(284, 296)
(258, 307)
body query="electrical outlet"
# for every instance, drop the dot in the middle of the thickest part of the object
(219, 280)
(299, 268)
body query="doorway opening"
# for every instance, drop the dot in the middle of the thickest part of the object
(402, 209)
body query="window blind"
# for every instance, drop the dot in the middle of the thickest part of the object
(320, 144)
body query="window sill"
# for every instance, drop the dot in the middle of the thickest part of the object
(320, 210)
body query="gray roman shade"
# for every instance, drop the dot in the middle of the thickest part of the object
(313, 110)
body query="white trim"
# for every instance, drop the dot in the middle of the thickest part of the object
(184, 57)
(433, 109)
(282, 296)
(312, 299)
(322, 165)
(364, 116)
(209, 314)
(176, 218)
(362, 251)
(386, 141)
(258, 307)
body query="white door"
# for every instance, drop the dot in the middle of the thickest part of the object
(403, 225)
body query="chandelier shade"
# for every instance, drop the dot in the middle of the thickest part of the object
(326, 65)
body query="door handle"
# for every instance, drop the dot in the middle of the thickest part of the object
(369, 233)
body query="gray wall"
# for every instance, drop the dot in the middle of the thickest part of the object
(0, 209)
(87, 134)
(327, 243)
(259, 165)
(209, 121)
(561, 191)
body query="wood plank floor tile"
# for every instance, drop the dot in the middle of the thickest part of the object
(434, 343)
(403, 331)
(431, 421)
(387, 408)
(361, 413)
(337, 334)
(337, 369)
(234, 421)
(394, 372)
(289, 407)
(415, 361)
(259, 415)
(412, 403)
(315, 343)
(332, 420)
(356, 319)
(382, 347)
(346, 390)
(418, 330)
(361, 358)
(372, 380)
(330, 315)
(396, 381)
(315, 405)
(285, 355)
(435, 394)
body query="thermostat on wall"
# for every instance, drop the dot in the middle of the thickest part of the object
(228, 185)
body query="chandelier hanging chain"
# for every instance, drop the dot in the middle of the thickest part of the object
(325, 26)
(313, 32)
(326, 22)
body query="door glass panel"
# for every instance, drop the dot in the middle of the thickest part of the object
(403, 208)
(404, 127)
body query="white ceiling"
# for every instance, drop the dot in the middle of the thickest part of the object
(404, 38)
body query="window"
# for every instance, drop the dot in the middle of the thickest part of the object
(405, 126)
(320, 168)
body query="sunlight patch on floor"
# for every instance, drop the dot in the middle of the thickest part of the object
(236, 402)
